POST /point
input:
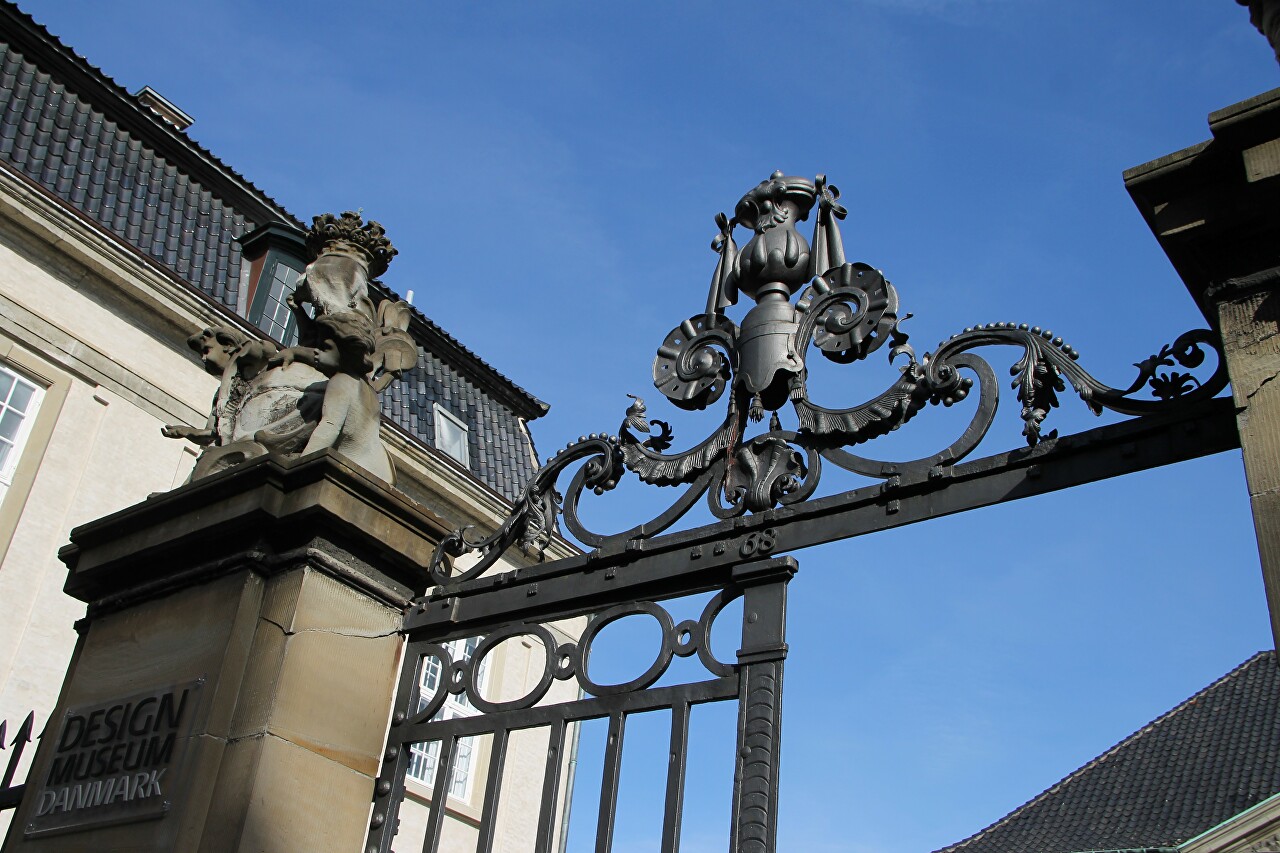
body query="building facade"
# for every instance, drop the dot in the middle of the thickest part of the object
(119, 238)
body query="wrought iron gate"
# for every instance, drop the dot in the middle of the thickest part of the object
(754, 680)
(762, 489)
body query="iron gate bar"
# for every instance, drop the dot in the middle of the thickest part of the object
(11, 794)
(440, 792)
(698, 556)
(489, 813)
(550, 787)
(609, 787)
(673, 810)
(755, 780)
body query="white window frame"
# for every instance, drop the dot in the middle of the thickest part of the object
(24, 428)
(423, 756)
(445, 420)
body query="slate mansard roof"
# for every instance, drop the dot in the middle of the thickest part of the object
(69, 129)
(1209, 759)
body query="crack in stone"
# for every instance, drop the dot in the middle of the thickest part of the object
(363, 635)
(357, 634)
(1260, 386)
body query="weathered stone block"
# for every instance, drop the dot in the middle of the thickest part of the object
(334, 695)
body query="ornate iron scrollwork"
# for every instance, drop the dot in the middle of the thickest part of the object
(847, 311)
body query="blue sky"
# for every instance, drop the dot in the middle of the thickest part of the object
(550, 172)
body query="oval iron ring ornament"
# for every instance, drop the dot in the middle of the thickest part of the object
(490, 643)
(706, 621)
(613, 614)
(427, 711)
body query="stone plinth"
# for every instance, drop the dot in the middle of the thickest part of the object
(232, 684)
(1215, 208)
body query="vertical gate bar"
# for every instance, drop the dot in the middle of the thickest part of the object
(440, 794)
(609, 782)
(675, 777)
(395, 761)
(489, 812)
(550, 787)
(759, 758)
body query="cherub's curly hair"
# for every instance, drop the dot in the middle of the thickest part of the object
(352, 332)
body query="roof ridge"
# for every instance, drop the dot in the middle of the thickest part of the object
(1094, 762)
(57, 44)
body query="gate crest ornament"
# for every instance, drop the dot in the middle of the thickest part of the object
(847, 311)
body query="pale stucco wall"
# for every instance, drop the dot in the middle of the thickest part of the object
(96, 447)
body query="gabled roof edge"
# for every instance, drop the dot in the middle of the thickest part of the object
(1057, 786)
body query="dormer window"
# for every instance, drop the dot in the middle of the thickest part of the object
(269, 311)
(275, 257)
(451, 436)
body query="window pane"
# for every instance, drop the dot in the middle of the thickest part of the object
(422, 761)
(272, 312)
(451, 436)
(19, 400)
(430, 678)
(9, 423)
(462, 768)
(21, 396)
(423, 756)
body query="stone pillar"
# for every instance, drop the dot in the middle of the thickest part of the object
(1215, 208)
(1249, 319)
(232, 684)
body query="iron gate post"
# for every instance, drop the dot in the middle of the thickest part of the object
(759, 755)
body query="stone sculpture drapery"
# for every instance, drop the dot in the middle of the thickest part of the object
(323, 392)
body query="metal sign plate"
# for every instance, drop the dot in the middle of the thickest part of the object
(113, 762)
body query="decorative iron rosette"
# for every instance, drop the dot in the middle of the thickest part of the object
(694, 363)
(848, 312)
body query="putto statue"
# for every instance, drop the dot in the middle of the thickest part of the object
(323, 392)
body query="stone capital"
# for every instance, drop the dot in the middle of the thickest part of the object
(268, 514)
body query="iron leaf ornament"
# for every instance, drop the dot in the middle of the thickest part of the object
(846, 311)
